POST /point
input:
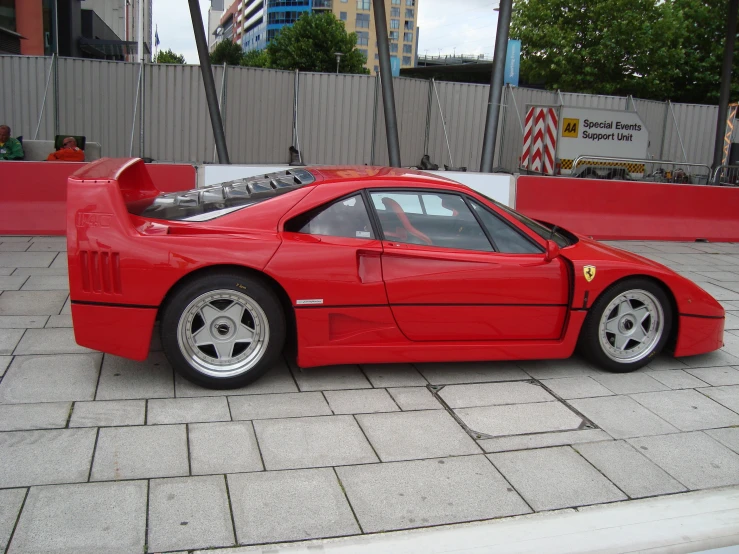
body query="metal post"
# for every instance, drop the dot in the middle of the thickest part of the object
(296, 115)
(142, 120)
(208, 82)
(46, 89)
(664, 132)
(677, 128)
(55, 8)
(374, 120)
(502, 129)
(428, 119)
(723, 103)
(518, 114)
(135, 107)
(496, 86)
(443, 124)
(220, 101)
(386, 80)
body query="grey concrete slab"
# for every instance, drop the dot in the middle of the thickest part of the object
(493, 394)
(732, 321)
(291, 505)
(26, 259)
(629, 470)
(312, 442)
(712, 359)
(687, 410)
(67, 308)
(22, 321)
(189, 512)
(187, 410)
(726, 396)
(663, 362)
(414, 435)
(360, 401)
(46, 282)
(22, 417)
(51, 378)
(470, 372)
(122, 379)
(11, 501)
(49, 341)
(420, 493)
(28, 271)
(12, 282)
(45, 457)
(59, 321)
(728, 437)
(393, 375)
(271, 406)
(4, 363)
(48, 245)
(108, 413)
(140, 453)
(5, 271)
(60, 261)
(622, 416)
(629, 383)
(720, 292)
(14, 246)
(83, 519)
(554, 478)
(716, 376)
(335, 377)
(17, 238)
(276, 380)
(414, 398)
(720, 275)
(576, 387)
(694, 459)
(519, 419)
(676, 379)
(9, 339)
(553, 369)
(228, 447)
(542, 440)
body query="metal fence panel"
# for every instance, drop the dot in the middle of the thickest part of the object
(594, 101)
(96, 99)
(411, 106)
(258, 114)
(22, 84)
(654, 115)
(335, 118)
(697, 128)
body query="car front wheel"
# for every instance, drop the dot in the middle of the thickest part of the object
(627, 326)
(223, 330)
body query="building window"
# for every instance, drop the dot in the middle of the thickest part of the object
(394, 12)
(283, 18)
(362, 38)
(394, 47)
(395, 2)
(393, 35)
(394, 23)
(364, 52)
(407, 49)
(342, 16)
(363, 4)
(409, 13)
(344, 1)
(377, 69)
(407, 37)
(410, 2)
(283, 3)
(363, 20)
(406, 60)
(408, 26)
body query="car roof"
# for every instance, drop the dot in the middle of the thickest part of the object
(398, 176)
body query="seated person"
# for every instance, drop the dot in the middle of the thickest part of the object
(68, 152)
(10, 148)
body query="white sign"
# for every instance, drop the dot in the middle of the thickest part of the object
(593, 132)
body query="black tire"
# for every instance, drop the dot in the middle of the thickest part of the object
(591, 344)
(208, 309)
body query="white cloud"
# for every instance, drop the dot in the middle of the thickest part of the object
(172, 18)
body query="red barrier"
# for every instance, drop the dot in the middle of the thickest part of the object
(628, 210)
(33, 195)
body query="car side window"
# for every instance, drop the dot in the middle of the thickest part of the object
(347, 217)
(429, 218)
(507, 239)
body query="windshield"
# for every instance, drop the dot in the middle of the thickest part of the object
(537, 227)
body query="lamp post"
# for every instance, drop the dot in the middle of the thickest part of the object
(338, 60)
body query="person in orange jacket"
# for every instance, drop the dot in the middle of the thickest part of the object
(68, 152)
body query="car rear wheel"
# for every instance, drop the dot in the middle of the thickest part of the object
(223, 330)
(627, 326)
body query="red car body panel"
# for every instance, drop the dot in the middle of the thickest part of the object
(380, 301)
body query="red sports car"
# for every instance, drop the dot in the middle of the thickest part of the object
(359, 265)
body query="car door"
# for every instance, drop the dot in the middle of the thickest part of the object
(447, 279)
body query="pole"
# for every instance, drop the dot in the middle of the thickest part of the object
(386, 81)
(496, 86)
(46, 90)
(56, 68)
(210, 86)
(723, 103)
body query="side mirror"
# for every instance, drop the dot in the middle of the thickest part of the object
(552, 250)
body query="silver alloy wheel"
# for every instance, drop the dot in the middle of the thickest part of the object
(631, 326)
(223, 333)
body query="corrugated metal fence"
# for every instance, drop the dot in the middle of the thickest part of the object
(337, 119)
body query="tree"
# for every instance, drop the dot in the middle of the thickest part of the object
(168, 56)
(227, 52)
(311, 44)
(255, 58)
(601, 46)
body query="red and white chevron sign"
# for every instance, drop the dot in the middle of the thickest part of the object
(540, 140)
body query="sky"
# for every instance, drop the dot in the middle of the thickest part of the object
(446, 26)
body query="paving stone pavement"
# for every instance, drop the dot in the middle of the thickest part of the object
(102, 454)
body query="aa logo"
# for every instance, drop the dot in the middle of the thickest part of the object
(571, 127)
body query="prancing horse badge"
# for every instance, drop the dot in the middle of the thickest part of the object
(589, 272)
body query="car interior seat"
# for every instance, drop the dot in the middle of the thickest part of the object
(406, 227)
